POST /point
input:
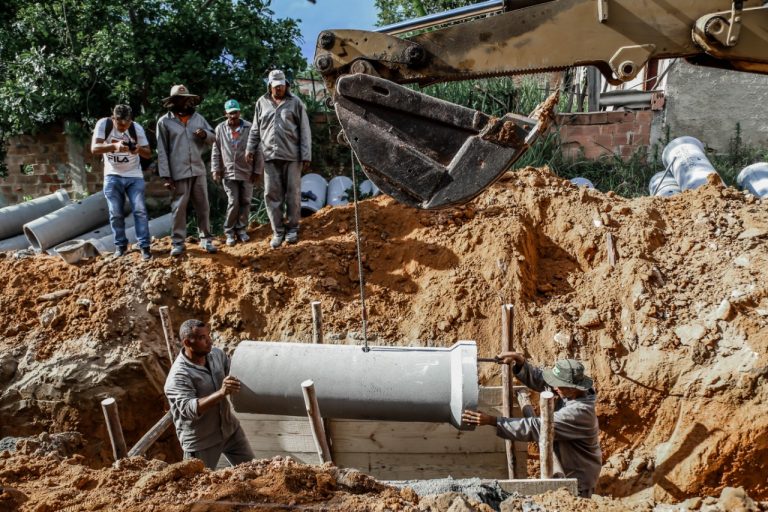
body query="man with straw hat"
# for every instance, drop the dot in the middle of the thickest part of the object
(183, 136)
(577, 442)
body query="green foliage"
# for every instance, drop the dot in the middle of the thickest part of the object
(73, 61)
(392, 11)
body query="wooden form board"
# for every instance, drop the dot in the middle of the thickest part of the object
(391, 450)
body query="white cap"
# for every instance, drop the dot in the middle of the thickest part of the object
(276, 77)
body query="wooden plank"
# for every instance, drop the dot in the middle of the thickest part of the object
(393, 437)
(409, 466)
(507, 332)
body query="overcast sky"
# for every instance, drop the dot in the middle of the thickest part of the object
(325, 14)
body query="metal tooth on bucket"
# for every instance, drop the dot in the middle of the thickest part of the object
(425, 152)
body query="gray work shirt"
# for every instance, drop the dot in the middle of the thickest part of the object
(281, 131)
(228, 152)
(186, 383)
(179, 151)
(577, 441)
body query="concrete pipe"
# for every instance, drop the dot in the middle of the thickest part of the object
(755, 179)
(688, 162)
(14, 243)
(337, 191)
(386, 383)
(312, 185)
(15, 216)
(68, 222)
(663, 184)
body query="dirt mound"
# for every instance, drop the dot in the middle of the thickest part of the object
(672, 324)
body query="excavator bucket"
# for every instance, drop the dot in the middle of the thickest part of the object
(429, 153)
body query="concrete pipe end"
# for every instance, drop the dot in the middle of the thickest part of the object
(464, 386)
(33, 241)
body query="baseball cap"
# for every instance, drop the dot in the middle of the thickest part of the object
(231, 106)
(276, 77)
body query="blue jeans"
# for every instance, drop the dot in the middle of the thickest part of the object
(115, 190)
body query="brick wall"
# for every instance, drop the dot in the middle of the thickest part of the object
(606, 133)
(49, 160)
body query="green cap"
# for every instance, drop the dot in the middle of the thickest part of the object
(231, 106)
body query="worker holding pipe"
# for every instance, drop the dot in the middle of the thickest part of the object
(577, 442)
(197, 387)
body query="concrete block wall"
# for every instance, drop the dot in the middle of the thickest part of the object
(49, 160)
(43, 163)
(606, 133)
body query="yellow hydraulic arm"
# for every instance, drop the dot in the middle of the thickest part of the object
(432, 154)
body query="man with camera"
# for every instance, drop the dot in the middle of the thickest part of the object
(122, 142)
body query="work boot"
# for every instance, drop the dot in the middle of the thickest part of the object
(177, 250)
(121, 250)
(292, 237)
(277, 241)
(231, 240)
(146, 255)
(243, 237)
(207, 244)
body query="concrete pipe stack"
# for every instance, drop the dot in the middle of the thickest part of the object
(14, 217)
(369, 189)
(686, 158)
(65, 223)
(582, 182)
(385, 383)
(754, 178)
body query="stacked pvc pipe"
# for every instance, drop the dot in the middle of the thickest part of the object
(317, 186)
(754, 178)
(369, 188)
(337, 191)
(65, 223)
(385, 383)
(13, 218)
(686, 158)
(14, 243)
(582, 182)
(663, 184)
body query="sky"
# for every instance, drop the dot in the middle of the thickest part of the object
(325, 14)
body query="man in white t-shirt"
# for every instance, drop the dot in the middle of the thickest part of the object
(121, 147)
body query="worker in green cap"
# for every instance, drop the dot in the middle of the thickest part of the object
(577, 441)
(231, 168)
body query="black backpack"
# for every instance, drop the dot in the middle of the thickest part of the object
(145, 163)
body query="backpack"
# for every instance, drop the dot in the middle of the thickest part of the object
(145, 163)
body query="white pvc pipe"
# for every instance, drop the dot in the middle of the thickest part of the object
(755, 179)
(13, 218)
(318, 186)
(337, 191)
(582, 182)
(663, 184)
(67, 222)
(369, 188)
(385, 383)
(688, 162)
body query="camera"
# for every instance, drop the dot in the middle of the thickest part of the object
(131, 145)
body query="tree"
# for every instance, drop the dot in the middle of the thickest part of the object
(392, 11)
(72, 60)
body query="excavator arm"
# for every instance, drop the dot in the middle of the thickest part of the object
(429, 153)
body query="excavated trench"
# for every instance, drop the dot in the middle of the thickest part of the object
(674, 332)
